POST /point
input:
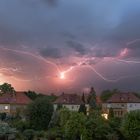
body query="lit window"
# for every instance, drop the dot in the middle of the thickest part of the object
(6, 107)
(105, 115)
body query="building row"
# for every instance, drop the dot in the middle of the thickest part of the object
(120, 103)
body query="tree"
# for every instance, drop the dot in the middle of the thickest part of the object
(54, 122)
(83, 109)
(115, 124)
(75, 127)
(83, 98)
(31, 94)
(7, 89)
(106, 94)
(59, 106)
(39, 113)
(57, 123)
(92, 99)
(64, 116)
(131, 125)
(111, 113)
(97, 127)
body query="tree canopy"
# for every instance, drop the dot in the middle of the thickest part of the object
(131, 125)
(106, 94)
(39, 113)
(7, 89)
(33, 95)
(92, 99)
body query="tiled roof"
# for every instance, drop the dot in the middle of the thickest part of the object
(69, 99)
(18, 98)
(123, 98)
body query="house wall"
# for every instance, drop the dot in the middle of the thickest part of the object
(120, 109)
(133, 106)
(71, 107)
(17, 108)
(4, 108)
(68, 106)
(117, 105)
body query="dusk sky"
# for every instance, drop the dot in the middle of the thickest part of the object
(70, 45)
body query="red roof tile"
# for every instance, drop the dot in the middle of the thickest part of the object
(18, 98)
(123, 98)
(69, 99)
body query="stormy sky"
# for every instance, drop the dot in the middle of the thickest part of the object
(70, 45)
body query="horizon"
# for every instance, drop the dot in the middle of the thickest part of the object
(48, 48)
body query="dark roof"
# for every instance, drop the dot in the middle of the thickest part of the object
(123, 98)
(69, 99)
(18, 98)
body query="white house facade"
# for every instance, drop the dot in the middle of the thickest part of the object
(121, 103)
(69, 101)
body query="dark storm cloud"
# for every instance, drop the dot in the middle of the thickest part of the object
(69, 28)
(51, 52)
(32, 22)
(78, 47)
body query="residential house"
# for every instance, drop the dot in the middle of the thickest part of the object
(10, 104)
(70, 101)
(121, 103)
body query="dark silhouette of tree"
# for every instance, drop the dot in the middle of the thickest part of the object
(59, 106)
(111, 113)
(106, 94)
(83, 98)
(83, 109)
(7, 89)
(92, 99)
(33, 95)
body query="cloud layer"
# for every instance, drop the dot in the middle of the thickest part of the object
(68, 33)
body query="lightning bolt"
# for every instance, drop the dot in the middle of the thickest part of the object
(62, 73)
(33, 55)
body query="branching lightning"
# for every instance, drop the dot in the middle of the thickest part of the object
(83, 63)
(33, 55)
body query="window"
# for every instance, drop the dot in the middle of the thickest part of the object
(6, 107)
(130, 105)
